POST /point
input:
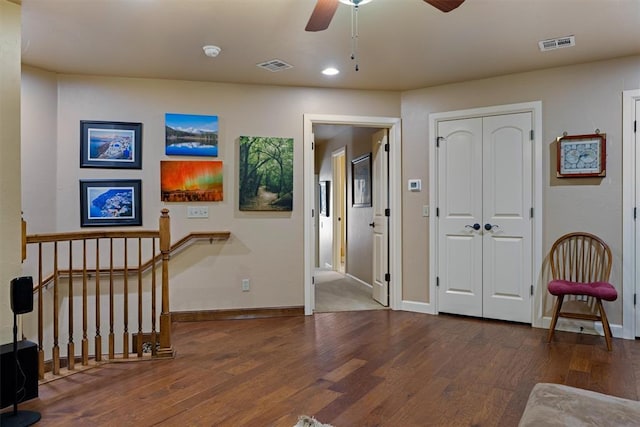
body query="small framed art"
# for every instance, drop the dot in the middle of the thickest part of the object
(110, 145)
(582, 156)
(361, 181)
(110, 202)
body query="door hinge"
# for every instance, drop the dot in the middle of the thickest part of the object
(313, 280)
(438, 212)
(634, 300)
(531, 290)
(311, 145)
(386, 147)
(635, 126)
(387, 277)
(635, 213)
(438, 138)
(313, 213)
(437, 281)
(531, 213)
(531, 135)
(387, 212)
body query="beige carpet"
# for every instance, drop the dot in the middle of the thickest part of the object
(338, 292)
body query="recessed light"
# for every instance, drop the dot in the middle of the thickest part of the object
(211, 51)
(330, 71)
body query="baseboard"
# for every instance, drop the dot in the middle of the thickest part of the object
(236, 313)
(417, 307)
(588, 326)
(358, 280)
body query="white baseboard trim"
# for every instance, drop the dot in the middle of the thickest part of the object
(589, 327)
(359, 280)
(417, 307)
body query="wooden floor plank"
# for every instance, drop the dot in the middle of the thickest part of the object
(370, 368)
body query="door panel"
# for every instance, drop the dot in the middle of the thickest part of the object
(507, 194)
(484, 177)
(380, 202)
(460, 205)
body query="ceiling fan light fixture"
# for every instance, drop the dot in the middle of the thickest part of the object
(330, 71)
(355, 2)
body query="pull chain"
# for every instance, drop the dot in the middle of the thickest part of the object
(354, 35)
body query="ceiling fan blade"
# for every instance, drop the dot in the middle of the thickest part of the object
(445, 5)
(322, 15)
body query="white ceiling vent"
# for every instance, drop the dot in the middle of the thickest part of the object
(552, 44)
(275, 65)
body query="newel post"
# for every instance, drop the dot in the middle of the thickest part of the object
(165, 350)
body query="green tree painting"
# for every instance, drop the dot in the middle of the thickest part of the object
(266, 174)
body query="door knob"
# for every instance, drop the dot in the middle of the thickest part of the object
(475, 226)
(490, 227)
(372, 224)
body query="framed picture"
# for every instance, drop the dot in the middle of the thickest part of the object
(191, 135)
(106, 202)
(361, 181)
(325, 190)
(110, 145)
(582, 156)
(265, 174)
(191, 181)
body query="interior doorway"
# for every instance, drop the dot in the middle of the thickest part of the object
(393, 271)
(339, 174)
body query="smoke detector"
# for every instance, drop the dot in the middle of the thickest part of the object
(211, 51)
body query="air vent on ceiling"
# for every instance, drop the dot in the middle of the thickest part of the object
(275, 65)
(552, 44)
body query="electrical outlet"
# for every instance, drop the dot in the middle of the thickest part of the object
(245, 285)
(197, 212)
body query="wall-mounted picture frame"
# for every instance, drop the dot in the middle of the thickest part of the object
(581, 156)
(191, 135)
(265, 168)
(116, 145)
(325, 192)
(361, 181)
(191, 181)
(110, 203)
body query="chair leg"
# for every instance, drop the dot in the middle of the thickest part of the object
(554, 318)
(605, 323)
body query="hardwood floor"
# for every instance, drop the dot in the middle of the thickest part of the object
(366, 368)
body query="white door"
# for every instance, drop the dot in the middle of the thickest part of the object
(484, 206)
(636, 138)
(380, 203)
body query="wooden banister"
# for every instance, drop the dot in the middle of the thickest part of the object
(126, 270)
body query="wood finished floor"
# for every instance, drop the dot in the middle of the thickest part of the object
(366, 368)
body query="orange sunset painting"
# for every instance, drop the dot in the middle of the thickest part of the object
(191, 181)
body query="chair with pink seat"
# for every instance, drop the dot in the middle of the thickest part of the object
(581, 265)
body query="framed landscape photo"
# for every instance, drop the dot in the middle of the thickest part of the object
(110, 202)
(191, 135)
(110, 145)
(581, 156)
(361, 181)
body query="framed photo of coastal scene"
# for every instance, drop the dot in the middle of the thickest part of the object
(110, 202)
(110, 145)
(191, 135)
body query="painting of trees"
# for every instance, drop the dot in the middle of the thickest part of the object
(266, 174)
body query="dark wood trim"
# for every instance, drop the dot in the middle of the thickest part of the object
(236, 314)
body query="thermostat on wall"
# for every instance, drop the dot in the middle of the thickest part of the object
(415, 184)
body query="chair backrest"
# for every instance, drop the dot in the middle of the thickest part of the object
(580, 257)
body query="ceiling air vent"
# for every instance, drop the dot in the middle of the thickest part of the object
(552, 44)
(275, 65)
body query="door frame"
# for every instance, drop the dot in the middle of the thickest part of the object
(535, 108)
(338, 205)
(630, 171)
(395, 199)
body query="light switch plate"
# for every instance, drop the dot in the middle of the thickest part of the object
(415, 184)
(425, 210)
(197, 212)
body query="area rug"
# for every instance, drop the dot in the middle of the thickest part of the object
(306, 421)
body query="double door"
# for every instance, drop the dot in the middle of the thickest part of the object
(484, 216)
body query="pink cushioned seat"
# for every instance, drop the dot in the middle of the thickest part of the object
(602, 290)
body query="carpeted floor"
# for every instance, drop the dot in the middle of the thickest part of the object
(337, 292)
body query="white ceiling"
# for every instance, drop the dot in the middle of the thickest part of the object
(403, 44)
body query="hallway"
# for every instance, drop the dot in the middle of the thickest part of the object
(338, 292)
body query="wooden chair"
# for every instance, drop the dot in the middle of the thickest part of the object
(580, 265)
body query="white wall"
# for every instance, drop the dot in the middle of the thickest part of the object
(10, 228)
(265, 247)
(576, 99)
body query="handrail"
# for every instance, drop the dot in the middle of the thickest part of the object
(87, 235)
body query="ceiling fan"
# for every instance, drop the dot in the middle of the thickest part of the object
(325, 9)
